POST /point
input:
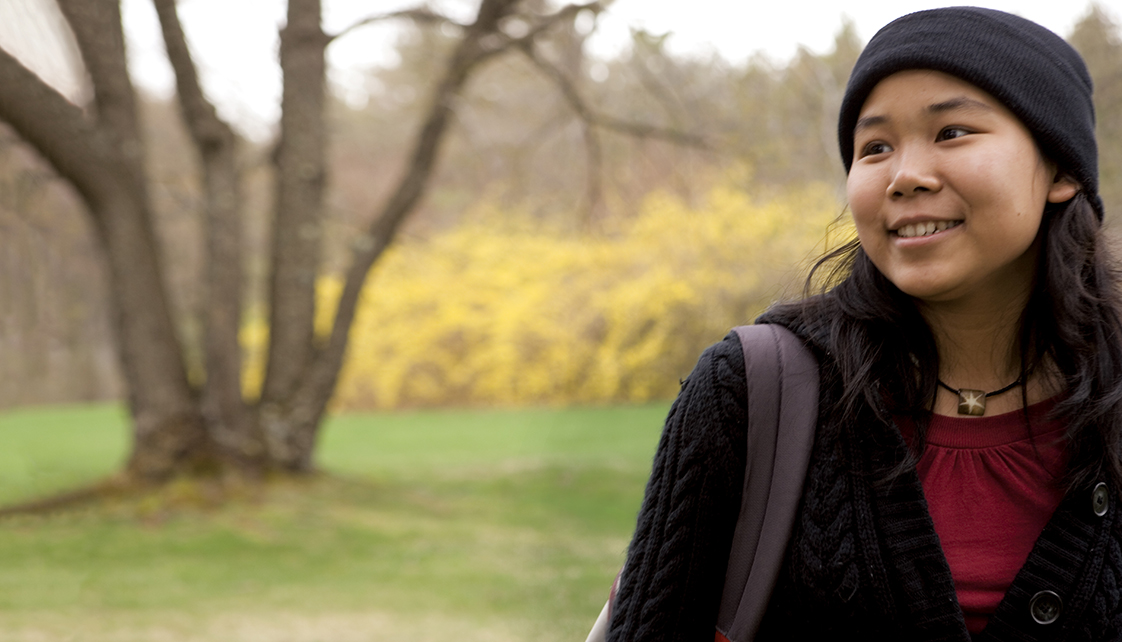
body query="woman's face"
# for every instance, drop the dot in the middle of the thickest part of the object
(947, 189)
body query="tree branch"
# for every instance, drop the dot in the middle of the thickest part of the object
(299, 182)
(645, 130)
(501, 42)
(667, 98)
(97, 30)
(60, 131)
(584, 112)
(223, 407)
(420, 15)
(202, 119)
(595, 189)
(481, 40)
(368, 248)
(104, 159)
(497, 42)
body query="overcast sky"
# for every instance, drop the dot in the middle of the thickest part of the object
(235, 41)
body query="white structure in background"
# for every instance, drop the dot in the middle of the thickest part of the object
(235, 42)
(35, 32)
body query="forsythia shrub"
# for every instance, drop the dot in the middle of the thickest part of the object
(501, 310)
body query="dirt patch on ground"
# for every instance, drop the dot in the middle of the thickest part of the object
(370, 626)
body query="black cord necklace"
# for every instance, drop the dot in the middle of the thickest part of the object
(973, 402)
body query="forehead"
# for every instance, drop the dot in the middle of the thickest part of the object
(921, 88)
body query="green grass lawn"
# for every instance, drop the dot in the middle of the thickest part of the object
(470, 525)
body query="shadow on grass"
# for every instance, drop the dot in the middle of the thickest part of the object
(484, 549)
(510, 522)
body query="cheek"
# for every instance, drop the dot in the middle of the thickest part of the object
(1010, 173)
(864, 196)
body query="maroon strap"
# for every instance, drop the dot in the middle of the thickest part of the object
(782, 414)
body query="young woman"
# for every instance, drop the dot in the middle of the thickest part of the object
(966, 467)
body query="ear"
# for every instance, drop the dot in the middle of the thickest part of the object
(1063, 188)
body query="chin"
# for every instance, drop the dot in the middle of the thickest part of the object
(930, 292)
(923, 289)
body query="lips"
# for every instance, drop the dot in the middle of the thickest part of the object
(913, 230)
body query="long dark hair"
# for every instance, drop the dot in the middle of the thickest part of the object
(888, 361)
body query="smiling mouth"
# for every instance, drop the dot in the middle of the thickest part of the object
(913, 230)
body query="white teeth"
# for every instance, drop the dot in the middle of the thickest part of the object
(925, 229)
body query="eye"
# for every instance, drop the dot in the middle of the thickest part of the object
(950, 133)
(875, 147)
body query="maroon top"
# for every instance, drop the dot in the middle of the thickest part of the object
(990, 490)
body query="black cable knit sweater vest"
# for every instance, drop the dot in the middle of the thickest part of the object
(864, 561)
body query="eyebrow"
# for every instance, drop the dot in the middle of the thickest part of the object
(869, 121)
(961, 102)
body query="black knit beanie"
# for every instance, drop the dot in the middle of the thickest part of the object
(1032, 71)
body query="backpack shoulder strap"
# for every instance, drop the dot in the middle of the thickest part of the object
(782, 414)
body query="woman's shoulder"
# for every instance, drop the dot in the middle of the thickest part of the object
(812, 319)
(712, 404)
(679, 552)
(719, 369)
(710, 413)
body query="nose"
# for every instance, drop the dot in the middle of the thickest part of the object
(913, 173)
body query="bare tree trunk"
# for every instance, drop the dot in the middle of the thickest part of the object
(233, 428)
(104, 162)
(169, 430)
(301, 424)
(300, 174)
(102, 156)
(298, 222)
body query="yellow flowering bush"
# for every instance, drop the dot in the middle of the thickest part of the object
(500, 310)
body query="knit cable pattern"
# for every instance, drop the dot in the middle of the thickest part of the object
(671, 584)
(864, 561)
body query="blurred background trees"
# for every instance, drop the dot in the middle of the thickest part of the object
(187, 418)
(1099, 40)
(522, 167)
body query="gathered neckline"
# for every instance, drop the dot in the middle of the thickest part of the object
(987, 432)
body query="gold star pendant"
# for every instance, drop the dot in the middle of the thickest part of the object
(971, 402)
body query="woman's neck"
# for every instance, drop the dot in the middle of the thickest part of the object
(978, 350)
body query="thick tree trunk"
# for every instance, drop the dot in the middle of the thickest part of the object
(169, 430)
(103, 160)
(169, 433)
(298, 225)
(300, 176)
(299, 424)
(233, 428)
(178, 429)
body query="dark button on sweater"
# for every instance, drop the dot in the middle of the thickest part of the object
(1045, 607)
